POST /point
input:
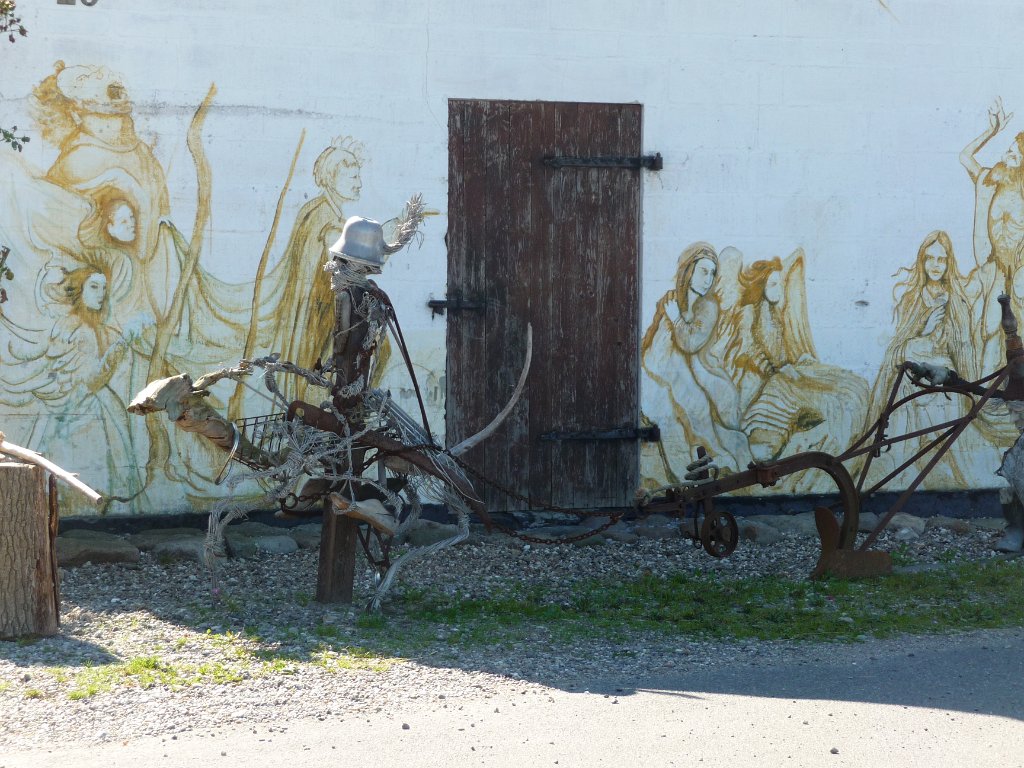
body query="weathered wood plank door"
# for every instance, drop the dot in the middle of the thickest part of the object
(558, 249)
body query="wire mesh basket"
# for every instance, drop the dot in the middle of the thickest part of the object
(258, 439)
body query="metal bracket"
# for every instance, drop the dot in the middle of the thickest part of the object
(650, 162)
(650, 434)
(455, 304)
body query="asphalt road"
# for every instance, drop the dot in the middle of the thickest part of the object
(953, 701)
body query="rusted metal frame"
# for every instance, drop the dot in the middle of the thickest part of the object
(885, 442)
(416, 457)
(770, 473)
(950, 428)
(319, 419)
(364, 533)
(949, 440)
(966, 389)
(878, 428)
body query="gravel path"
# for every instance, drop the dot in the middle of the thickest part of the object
(215, 673)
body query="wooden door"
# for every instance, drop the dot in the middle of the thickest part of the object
(557, 248)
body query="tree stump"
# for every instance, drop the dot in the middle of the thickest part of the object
(29, 587)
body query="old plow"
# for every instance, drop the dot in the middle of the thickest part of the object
(693, 501)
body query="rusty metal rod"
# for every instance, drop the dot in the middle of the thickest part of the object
(955, 433)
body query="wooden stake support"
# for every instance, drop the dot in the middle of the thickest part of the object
(336, 572)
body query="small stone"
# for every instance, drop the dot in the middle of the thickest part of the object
(405, 726)
(834, 750)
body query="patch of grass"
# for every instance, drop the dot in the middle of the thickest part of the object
(901, 555)
(350, 658)
(147, 672)
(33, 693)
(964, 596)
(371, 621)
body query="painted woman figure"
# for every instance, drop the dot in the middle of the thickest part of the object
(86, 113)
(85, 424)
(694, 401)
(789, 401)
(932, 319)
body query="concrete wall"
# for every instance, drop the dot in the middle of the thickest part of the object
(830, 126)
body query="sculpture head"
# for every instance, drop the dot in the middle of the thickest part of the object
(361, 244)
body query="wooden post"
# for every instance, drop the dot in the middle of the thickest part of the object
(29, 588)
(337, 569)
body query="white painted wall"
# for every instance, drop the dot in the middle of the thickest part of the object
(831, 125)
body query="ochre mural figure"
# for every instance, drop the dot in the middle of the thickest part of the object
(85, 111)
(305, 315)
(103, 204)
(732, 360)
(71, 377)
(789, 400)
(998, 233)
(932, 321)
(694, 400)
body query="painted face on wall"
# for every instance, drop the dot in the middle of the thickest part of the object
(121, 223)
(348, 182)
(773, 288)
(703, 276)
(1013, 155)
(94, 291)
(935, 262)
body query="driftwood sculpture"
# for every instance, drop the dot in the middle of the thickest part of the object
(357, 451)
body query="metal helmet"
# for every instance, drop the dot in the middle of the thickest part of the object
(361, 241)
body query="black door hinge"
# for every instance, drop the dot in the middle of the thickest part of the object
(650, 162)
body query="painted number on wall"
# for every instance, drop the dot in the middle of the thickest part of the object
(72, 2)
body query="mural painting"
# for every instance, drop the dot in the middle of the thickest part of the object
(109, 293)
(733, 358)
(749, 385)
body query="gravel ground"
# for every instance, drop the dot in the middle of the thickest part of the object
(116, 613)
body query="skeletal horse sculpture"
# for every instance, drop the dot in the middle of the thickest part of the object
(327, 450)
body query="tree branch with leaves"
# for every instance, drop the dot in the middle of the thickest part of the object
(10, 24)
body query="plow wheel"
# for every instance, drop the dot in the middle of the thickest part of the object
(719, 533)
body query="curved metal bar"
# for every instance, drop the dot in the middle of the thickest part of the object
(222, 475)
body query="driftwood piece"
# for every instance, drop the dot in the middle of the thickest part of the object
(29, 599)
(32, 457)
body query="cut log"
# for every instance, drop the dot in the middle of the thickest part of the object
(29, 586)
